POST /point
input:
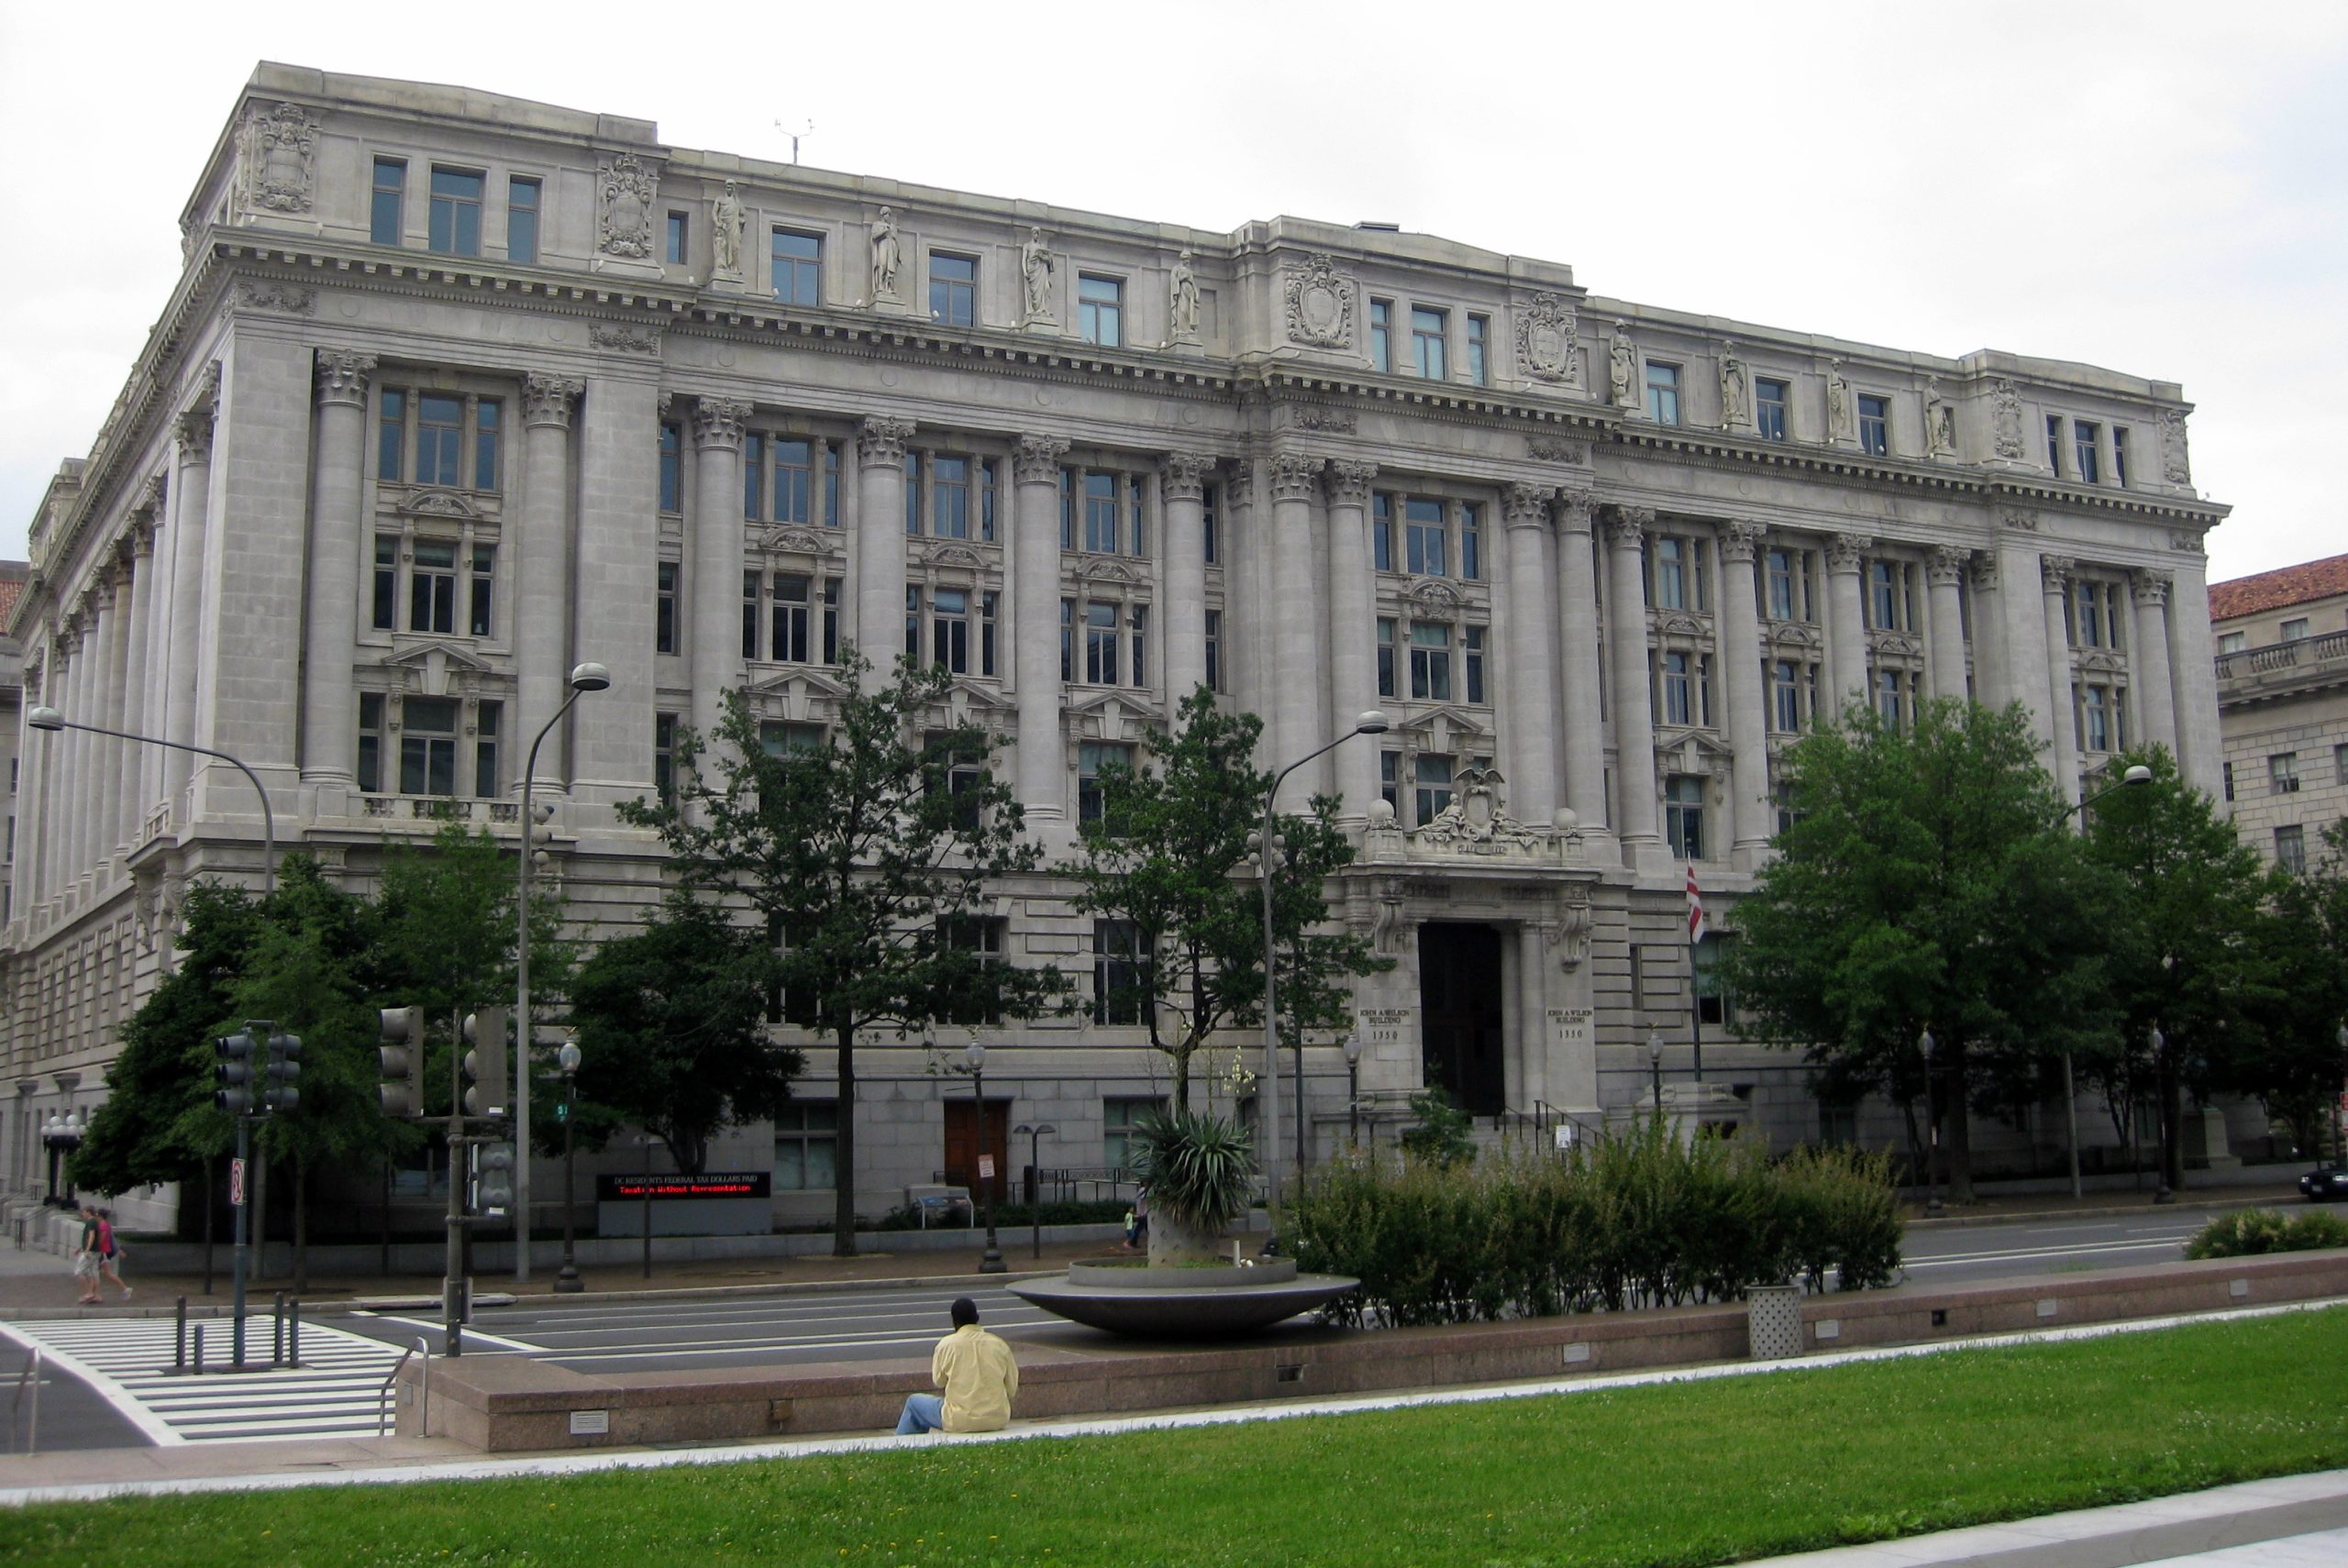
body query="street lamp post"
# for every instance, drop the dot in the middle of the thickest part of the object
(1036, 1188)
(2159, 1042)
(584, 678)
(1933, 1127)
(1353, 1088)
(568, 1282)
(975, 1055)
(1267, 846)
(2139, 774)
(62, 1135)
(1655, 1067)
(51, 719)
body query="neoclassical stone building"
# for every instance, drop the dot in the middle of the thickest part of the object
(2282, 640)
(457, 389)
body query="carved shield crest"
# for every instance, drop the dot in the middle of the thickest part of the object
(1321, 305)
(1546, 339)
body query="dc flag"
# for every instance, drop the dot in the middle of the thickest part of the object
(1694, 909)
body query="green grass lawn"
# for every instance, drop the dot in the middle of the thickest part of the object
(1686, 1474)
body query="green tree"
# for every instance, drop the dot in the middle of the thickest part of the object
(1926, 882)
(2192, 936)
(672, 1034)
(860, 858)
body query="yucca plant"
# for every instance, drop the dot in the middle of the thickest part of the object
(1201, 1173)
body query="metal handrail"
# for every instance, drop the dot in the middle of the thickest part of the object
(30, 1374)
(383, 1394)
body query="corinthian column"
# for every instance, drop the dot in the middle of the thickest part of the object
(1181, 485)
(94, 779)
(1353, 613)
(2148, 667)
(1626, 622)
(329, 700)
(542, 574)
(1298, 723)
(191, 496)
(1532, 697)
(2055, 577)
(1847, 630)
(1944, 570)
(1035, 513)
(130, 807)
(716, 529)
(1748, 730)
(114, 703)
(1992, 678)
(880, 539)
(1578, 659)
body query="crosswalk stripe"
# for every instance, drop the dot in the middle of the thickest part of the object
(334, 1393)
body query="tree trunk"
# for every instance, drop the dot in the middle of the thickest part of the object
(1959, 1147)
(844, 1151)
(301, 1225)
(1173, 1243)
(2172, 1127)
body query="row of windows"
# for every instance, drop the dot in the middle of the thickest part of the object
(424, 437)
(806, 1133)
(452, 223)
(1428, 651)
(1430, 344)
(1429, 528)
(2084, 462)
(2283, 771)
(428, 753)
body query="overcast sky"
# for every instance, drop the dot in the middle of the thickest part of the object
(2155, 187)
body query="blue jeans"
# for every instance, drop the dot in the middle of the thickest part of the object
(924, 1412)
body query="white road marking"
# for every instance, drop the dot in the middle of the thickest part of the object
(157, 1433)
(521, 1347)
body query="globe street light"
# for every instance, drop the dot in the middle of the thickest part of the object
(584, 678)
(976, 1055)
(1353, 1088)
(1034, 1179)
(1654, 1066)
(62, 1135)
(568, 1282)
(1267, 845)
(51, 719)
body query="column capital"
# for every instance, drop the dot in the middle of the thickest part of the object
(718, 422)
(142, 536)
(1946, 565)
(342, 376)
(1576, 508)
(1741, 541)
(1037, 461)
(1348, 482)
(194, 432)
(1239, 488)
(881, 441)
(1526, 505)
(548, 400)
(1843, 550)
(1293, 474)
(1182, 476)
(2054, 572)
(2151, 586)
(1985, 572)
(1629, 525)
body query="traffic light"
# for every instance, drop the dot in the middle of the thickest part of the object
(485, 1089)
(234, 1073)
(493, 1178)
(279, 1092)
(401, 1089)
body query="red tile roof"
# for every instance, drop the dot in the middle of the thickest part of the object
(12, 587)
(2299, 584)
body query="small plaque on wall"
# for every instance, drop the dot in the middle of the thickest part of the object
(590, 1423)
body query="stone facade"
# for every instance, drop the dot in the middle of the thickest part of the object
(2282, 640)
(458, 390)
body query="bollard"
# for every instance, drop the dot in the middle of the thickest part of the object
(293, 1333)
(179, 1337)
(199, 1350)
(277, 1329)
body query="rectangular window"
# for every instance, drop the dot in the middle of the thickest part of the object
(387, 581)
(1214, 652)
(1670, 573)
(1101, 514)
(664, 608)
(522, 218)
(1386, 656)
(485, 719)
(777, 738)
(2055, 444)
(913, 494)
(1875, 425)
(432, 590)
(1426, 537)
(832, 483)
(1683, 815)
(1430, 662)
(1883, 596)
(673, 468)
(428, 747)
(1769, 408)
(806, 1146)
(1121, 1122)
(2120, 455)
(2087, 444)
(453, 226)
(1886, 697)
(1381, 335)
(1427, 330)
(949, 629)
(988, 603)
(1101, 645)
(2094, 714)
(963, 766)
(2232, 642)
(371, 742)
(1431, 779)
(391, 436)
(664, 756)
(1389, 776)
(1785, 697)
(751, 616)
(1068, 640)
(1471, 541)
(794, 609)
(484, 587)
(2087, 621)
(754, 477)
(1381, 531)
(677, 235)
(981, 937)
(1789, 573)
(439, 438)
(2291, 848)
(385, 220)
(1471, 644)
(2229, 781)
(2339, 763)
(1663, 393)
(2283, 772)
(1101, 310)
(949, 498)
(953, 290)
(1480, 366)
(986, 500)
(795, 480)
(1119, 993)
(796, 270)
(912, 621)
(831, 619)
(2295, 631)
(1091, 756)
(1209, 532)
(1135, 512)
(486, 432)
(1137, 630)
(1679, 697)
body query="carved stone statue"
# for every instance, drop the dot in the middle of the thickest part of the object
(1036, 267)
(1183, 306)
(1623, 367)
(888, 255)
(1838, 402)
(2176, 459)
(1732, 388)
(1940, 420)
(725, 219)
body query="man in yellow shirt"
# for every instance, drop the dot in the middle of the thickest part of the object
(978, 1373)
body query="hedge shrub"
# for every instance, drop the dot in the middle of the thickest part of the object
(2248, 1231)
(1636, 1219)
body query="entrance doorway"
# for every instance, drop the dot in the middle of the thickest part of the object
(1459, 1014)
(964, 1145)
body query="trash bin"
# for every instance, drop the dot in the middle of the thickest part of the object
(1773, 1321)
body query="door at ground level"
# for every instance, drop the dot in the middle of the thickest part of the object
(965, 1142)
(1459, 1014)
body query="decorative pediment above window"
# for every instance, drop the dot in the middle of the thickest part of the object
(430, 669)
(2098, 661)
(1696, 752)
(440, 503)
(794, 694)
(1108, 714)
(1107, 570)
(1899, 644)
(1794, 635)
(1680, 624)
(952, 556)
(798, 542)
(1446, 730)
(976, 704)
(1432, 599)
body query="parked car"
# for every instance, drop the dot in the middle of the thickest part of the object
(2325, 1182)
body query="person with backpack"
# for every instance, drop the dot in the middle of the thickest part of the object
(110, 1254)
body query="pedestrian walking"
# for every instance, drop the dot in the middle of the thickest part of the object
(85, 1257)
(110, 1252)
